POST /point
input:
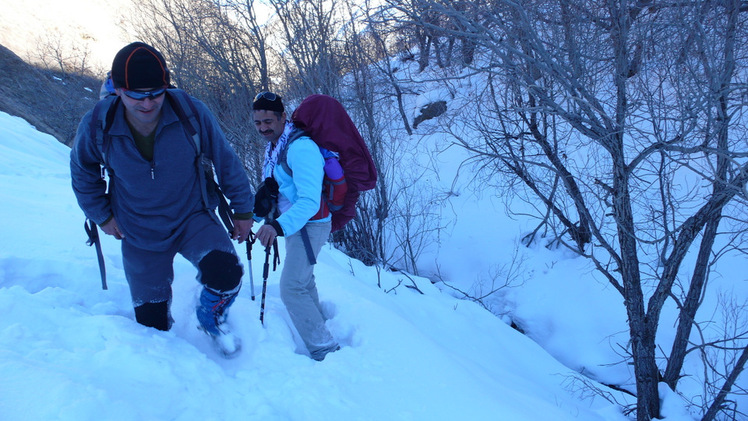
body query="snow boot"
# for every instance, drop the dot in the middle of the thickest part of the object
(211, 313)
(320, 354)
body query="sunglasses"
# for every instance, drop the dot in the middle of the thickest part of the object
(267, 95)
(141, 95)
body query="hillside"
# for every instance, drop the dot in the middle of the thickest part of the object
(39, 34)
(51, 101)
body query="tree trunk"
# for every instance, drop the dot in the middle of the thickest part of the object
(641, 329)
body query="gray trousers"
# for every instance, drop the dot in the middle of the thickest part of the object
(204, 243)
(299, 291)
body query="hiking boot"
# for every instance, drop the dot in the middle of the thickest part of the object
(320, 354)
(211, 313)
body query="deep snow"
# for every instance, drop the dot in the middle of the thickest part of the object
(71, 351)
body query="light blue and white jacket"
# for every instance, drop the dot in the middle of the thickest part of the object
(300, 195)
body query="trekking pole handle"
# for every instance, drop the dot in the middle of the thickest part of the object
(250, 240)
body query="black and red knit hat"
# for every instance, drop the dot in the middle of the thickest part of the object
(139, 66)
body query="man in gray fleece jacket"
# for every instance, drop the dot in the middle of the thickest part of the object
(156, 202)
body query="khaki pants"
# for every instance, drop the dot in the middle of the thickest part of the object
(299, 291)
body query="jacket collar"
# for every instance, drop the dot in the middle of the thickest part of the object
(120, 127)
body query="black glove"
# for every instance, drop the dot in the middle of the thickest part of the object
(266, 199)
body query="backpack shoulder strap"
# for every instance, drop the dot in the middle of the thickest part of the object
(101, 121)
(187, 113)
(283, 155)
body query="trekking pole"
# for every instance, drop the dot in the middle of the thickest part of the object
(249, 242)
(265, 270)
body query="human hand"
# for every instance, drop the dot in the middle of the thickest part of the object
(266, 234)
(111, 228)
(242, 228)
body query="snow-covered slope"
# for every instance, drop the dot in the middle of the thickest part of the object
(71, 351)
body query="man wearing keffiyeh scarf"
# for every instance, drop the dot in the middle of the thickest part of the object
(299, 203)
(272, 150)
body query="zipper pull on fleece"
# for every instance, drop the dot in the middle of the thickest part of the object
(153, 170)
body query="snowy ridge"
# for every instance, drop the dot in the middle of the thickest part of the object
(70, 351)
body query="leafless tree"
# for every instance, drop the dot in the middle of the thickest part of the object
(364, 237)
(405, 208)
(616, 115)
(380, 33)
(307, 38)
(55, 51)
(213, 49)
(434, 34)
